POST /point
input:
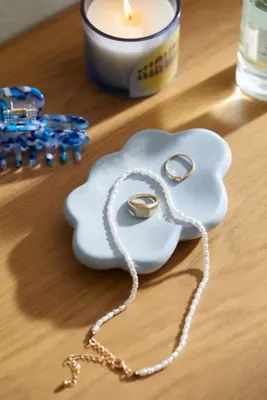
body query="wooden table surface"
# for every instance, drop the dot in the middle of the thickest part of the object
(49, 300)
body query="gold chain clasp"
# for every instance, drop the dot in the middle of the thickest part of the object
(104, 356)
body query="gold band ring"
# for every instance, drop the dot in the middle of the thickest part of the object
(143, 210)
(177, 177)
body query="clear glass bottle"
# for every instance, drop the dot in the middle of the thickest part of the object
(251, 73)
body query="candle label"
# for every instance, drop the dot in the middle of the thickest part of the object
(157, 70)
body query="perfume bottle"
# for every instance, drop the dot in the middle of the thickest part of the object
(251, 73)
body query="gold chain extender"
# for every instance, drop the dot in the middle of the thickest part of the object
(103, 357)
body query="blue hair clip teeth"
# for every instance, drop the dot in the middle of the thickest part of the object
(23, 128)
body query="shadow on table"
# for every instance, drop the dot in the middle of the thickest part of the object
(217, 102)
(223, 109)
(227, 116)
(51, 283)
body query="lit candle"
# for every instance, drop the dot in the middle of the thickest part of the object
(123, 38)
(117, 17)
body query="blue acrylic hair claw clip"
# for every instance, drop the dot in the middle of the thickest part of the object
(23, 128)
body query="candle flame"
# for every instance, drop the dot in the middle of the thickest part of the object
(128, 9)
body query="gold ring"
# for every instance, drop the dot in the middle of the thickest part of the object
(143, 210)
(177, 177)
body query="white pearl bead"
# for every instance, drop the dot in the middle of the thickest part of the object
(188, 318)
(144, 372)
(202, 285)
(193, 308)
(198, 294)
(165, 363)
(180, 348)
(187, 327)
(195, 302)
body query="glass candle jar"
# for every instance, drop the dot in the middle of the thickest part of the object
(131, 52)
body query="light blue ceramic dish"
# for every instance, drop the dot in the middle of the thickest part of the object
(150, 242)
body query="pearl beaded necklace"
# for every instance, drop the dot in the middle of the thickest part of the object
(106, 355)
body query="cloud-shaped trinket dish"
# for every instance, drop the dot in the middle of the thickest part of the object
(152, 241)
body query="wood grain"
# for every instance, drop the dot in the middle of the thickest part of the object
(48, 300)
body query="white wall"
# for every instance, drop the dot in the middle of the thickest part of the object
(17, 15)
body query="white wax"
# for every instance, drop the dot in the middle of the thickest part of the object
(115, 60)
(149, 17)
